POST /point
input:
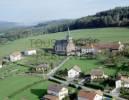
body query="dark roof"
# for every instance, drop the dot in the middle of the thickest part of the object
(61, 42)
(43, 65)
(55, 87)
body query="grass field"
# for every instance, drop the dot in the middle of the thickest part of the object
(14, 83)
(87, 65)
(103, 34)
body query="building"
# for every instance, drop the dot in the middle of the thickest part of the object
(1, 63)
(41, 67)
(57, 90)
(65, 46)
(15, 56)
(88, 49)
(109, 46)
(74, 72)
(122, 82)
(50, 97)
(97, 73)
(30, 52)
(90, 95)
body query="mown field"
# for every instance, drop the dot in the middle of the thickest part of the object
(14, 83)
(103, 34)
(86, 65)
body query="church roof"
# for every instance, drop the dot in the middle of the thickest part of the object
(61, 42)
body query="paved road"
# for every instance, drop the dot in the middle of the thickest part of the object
(85, 88)
(52, 72)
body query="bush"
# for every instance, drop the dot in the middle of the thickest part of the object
(95, 86)
(60, 78)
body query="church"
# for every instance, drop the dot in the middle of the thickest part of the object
(65, 46)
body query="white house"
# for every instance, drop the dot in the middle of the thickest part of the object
(1, 64)
(88, 49)
(74, 72)
(30, 52)
(122, 82)
(57, 90)
(98, 74)
(89, 95)
(15, 56)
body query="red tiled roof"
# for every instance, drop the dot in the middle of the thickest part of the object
(89, 95)
(50, 97)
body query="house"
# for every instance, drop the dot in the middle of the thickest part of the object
(74, 72)
(50, 97)
(109, 46)
(58, 91)
(15, 56)
(65, 46)
(41, 67)
(97, 73)
(90, 95)
(122, 81)
(30, 52)
(88, 49)
(1, 64)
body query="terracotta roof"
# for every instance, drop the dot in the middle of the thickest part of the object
(50, 97)
(97, 72)
(55, 87)
(125, 79)
(107, 46)
(88, 95)
(15, 54)
(76, 68)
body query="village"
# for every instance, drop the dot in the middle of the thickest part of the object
(93, 84)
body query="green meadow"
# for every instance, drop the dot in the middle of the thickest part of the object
(42, 41)
(13, 83)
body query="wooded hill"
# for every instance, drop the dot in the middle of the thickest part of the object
(117, 17)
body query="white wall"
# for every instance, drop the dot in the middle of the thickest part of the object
(72, 73)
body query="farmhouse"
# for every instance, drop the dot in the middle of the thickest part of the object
(122, 82)
(74, 72)
(58, 91)
(66, 46)
(30, 52)
(41, 68)
(89, 95)
(109, 46)
(97, 73)
(15, 56)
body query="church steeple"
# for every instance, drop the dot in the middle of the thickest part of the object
(68, 37)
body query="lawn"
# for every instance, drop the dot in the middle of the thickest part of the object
(103, 34)
(14, 83)
(87, 65)
(33, 93)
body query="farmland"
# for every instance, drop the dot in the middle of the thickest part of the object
(13, 83)
(103, 34)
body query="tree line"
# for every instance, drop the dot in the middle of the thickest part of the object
(117, 17)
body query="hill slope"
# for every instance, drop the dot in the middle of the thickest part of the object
(103, 34)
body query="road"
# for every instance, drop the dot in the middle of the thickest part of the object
(52, 72)
(83, 87)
